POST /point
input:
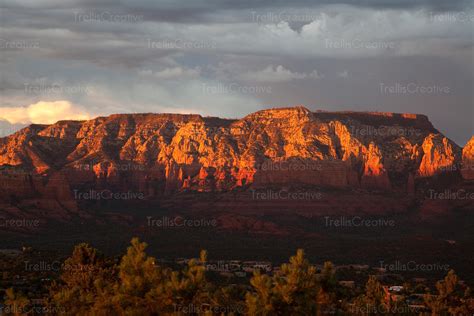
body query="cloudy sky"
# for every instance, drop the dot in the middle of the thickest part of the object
(76, 59)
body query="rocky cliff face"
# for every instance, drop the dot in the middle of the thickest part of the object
(468, 160)
(158, 154)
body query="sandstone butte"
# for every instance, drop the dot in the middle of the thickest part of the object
(468, 160)
(159, 154)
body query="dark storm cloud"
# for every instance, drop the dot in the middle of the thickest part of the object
(202, 11)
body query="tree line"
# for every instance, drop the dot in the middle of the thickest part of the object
(92, 284)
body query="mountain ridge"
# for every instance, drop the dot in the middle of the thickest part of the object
(61, 169)
(414, 116)
(378, 150)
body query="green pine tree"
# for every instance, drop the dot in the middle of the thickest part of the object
(450, 300)
(15, 303)
(190, 288)
(137, 279)
(326, 297)
(373, 301)
(85, 278)
(291, 291)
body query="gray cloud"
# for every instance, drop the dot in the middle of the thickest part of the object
(229, 58)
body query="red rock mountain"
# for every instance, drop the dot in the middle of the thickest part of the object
(468, 160)
(164, 153)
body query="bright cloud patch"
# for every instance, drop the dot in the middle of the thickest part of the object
(277, 74)
(173, 73)
(43, 113)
